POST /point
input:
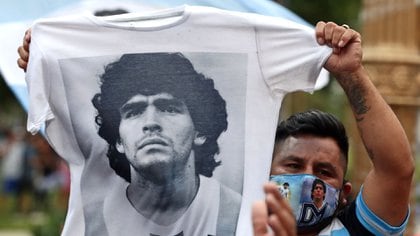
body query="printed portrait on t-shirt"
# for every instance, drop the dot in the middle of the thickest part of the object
(163, 133)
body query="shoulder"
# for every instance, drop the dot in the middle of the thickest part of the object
(360, 220)
(372, 223)
(350, 221)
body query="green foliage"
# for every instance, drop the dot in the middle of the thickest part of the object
(341, 12)
(45, 218)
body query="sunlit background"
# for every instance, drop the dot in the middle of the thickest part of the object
(34, 181)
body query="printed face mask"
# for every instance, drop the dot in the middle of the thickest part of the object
(311, 199)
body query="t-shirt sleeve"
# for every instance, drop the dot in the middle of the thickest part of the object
(39, 110)
(375, 224)
(289, 55)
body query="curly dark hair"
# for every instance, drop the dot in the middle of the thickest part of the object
(314, 122)
(315, 183)
(151, 74)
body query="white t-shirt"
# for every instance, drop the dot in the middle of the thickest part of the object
(253, 60)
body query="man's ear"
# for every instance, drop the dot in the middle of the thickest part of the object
(119, 146)
(347, 188)
(345, 191)
(199, 140)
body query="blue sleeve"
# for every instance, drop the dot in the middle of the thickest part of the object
(375, 224)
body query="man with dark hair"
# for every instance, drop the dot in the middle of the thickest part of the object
(160, 73)
(161, 120)
(318, 192)
(317, 123)
(315, 144)
(284, 190)
(317, 208)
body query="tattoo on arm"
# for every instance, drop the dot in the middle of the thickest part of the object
(356, 96)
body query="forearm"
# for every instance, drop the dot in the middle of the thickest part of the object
(380, 130)
(389, 182)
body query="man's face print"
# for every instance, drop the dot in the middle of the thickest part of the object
(319, 192)
(156, 133)
(172, 141)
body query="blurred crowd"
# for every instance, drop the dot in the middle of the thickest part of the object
(30, 173)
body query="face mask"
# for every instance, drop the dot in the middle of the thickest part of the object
(311, 199)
